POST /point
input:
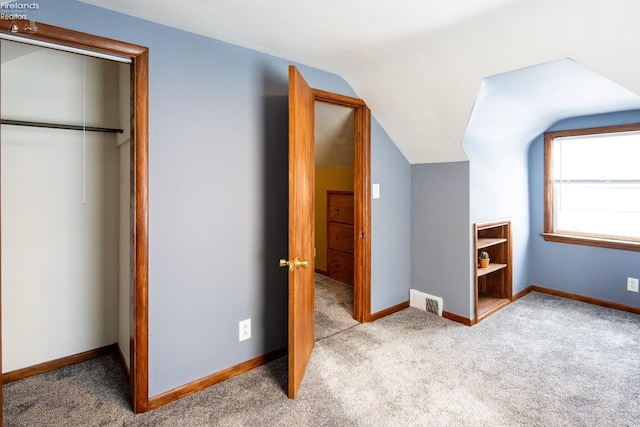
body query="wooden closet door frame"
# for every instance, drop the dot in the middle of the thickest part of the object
(362, 200)
(139, 55)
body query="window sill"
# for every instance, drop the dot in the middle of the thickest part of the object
(624, 245)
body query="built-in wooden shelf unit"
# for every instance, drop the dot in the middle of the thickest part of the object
(493, 284)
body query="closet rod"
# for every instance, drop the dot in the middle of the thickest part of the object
(58, 126)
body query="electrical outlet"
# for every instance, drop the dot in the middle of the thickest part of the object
(244, 330)
(632, 284)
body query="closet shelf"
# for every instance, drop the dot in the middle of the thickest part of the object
(58, 126)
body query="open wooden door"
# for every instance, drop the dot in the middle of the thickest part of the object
(301, 228)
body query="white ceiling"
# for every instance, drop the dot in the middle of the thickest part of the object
(419, 64)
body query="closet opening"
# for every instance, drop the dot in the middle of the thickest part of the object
(74, 204)
(342, 136)
(66, 239)
(334, 133)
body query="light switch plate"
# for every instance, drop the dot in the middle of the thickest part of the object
(375, 190)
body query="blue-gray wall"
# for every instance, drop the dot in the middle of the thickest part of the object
(440, 239)
(218, 198)
(390, 223)
(506, 181)
(499, 188)
(583, 270)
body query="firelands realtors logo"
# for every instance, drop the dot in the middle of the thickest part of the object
(12, 10)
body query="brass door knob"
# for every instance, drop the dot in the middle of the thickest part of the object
(295, 264)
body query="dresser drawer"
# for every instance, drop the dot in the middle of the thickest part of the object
(340, 266)
(340, 237)
(340, 207)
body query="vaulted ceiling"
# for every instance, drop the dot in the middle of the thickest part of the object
(419, 64)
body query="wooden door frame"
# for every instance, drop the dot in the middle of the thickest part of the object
(139, 55)
(362, 200)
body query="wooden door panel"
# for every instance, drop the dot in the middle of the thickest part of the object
(301, 227)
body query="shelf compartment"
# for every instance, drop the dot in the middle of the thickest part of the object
(488, 305)
(492, 267)
(485, 242)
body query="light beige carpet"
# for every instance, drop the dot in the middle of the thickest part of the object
(333, 307)
(542, 361)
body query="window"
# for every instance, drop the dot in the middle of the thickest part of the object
(592, 187)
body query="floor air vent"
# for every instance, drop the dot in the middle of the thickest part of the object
(426, 302)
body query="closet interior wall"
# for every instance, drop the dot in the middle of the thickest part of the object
(66, 238)
(334, 170)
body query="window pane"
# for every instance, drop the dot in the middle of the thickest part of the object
(599, 208)
(598, 157)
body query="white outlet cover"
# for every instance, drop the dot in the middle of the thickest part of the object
(632, 284)
(244, 330)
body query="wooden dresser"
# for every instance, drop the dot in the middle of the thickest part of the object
(340, 235)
